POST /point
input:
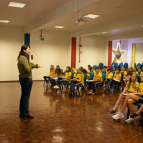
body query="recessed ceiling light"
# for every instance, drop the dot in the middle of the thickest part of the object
(104, 32)
(92, 16)
(15, 4)
(4, 21)
(61, 27)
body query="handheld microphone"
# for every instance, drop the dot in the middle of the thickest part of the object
(31, 57)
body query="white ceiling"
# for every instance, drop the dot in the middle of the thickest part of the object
(109, 11)
(30, 13)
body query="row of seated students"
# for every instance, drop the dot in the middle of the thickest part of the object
(112, 77)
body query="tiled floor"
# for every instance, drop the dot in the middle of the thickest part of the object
(60, 119)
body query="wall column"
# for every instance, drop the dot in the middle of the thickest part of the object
(110, 53)
(133, 55)
(73, 52)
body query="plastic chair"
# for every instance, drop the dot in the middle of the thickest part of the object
(94, 67)
(103, 79)
(116, 65)
(82, 86)
(104, 72)
(139, 64)
(91, 75)
(126, 65)
(101, 65)
(64, 72)
(121, 64)
(77, 71)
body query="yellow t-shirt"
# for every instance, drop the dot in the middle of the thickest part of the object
(93, 72)
(117, 76)
(131, 89)
(80, 78)
(136, 73)
(124, 73)
(52, 72)
(141, 88)
(109, 75)
(74, 73)
(68, 74)
(141, 73)
(99, 75)
(87, 76)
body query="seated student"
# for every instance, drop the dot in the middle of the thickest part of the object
(52, 73)
(59, 73)
(96, 79)
(131, 87)
(125, 79)
(74, 71)
(114, 69)
(135, 70)
(65, 78)
(89, 68)
(99, 69)
(116, 79)
(105, 69)
(79, 79)
(123, 71)
(87, 74)
(109, 76)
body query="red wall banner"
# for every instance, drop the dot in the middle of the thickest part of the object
(73, 52)
(110, 53)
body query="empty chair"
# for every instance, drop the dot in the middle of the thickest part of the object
(116, 65)
(101, 65)
(94, 67)
(126, 65)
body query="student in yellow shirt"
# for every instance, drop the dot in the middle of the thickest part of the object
(105, 69)
(74, 71)
(123, 71)
(87, 74)
(96, 79)
(59, 73)
(131, 87)
(89, 68)
(52, 73)
(109, 77)
(125, 79)
(65, 78)
(79, 79)
(131, 98)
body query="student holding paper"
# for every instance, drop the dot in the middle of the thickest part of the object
(96, 79)
(131, 87)
(130, 99)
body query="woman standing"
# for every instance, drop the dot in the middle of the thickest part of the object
(25, 78)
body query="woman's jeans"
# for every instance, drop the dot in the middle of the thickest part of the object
(26, 86)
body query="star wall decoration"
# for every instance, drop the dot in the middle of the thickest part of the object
(118, 55)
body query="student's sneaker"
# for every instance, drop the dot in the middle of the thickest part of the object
(56, 87)
(130, 120)
(112, 112)
(93, 93)
(90, 92)
(118, 116)
(136, 116)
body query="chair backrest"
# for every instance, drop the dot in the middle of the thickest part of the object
(103, 76)
(94, 67)
(116, 65)
(104, 71)
(126, 65)
(135, 65)
(91, 75)
(139, 64)
(77, 71)
(113, 73)
(84, 77)
(72, 75)
(139, 72)
(64, 72)
(121, 76)
(101, 65)
(121, 64)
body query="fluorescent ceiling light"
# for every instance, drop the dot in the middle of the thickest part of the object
(61, 27)
(92, 16)
(104, 32)
(15, 4)
(4, 21)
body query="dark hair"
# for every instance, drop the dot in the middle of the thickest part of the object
(84, 71)
(69, 68)
(57, 66)
(73, 67)
(90, 68)
(104, 67)
(118, 69)
(22, 53)
(97, 68)
(59, 71)
(134, 84)
(108, 69)
(52, 68)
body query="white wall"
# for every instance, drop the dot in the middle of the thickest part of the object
(53, 50)
(93, 51)
(11, 40)
(139, 53)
